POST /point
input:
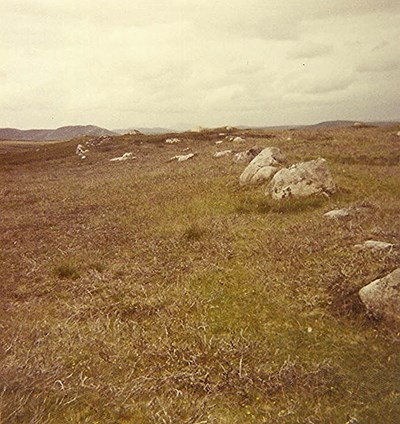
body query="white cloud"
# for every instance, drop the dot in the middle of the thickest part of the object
(148, 62)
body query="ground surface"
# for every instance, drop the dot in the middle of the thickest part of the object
(161, 292)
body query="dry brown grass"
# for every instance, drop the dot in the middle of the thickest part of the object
(156, 292)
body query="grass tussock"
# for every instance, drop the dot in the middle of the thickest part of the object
(159, 292)
(194, 232)
(67, 269)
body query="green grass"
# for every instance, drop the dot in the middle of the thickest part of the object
(157, 292)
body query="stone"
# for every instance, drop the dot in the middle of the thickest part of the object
(124, 157)
(222, 153)
(81, 151)
(247, 156)
(339, 213)
(182, 158)
(219, 142)
(398, 134)
(382, 296)
(269, 158)
(302, 179)
(374, 245)
(352, 420)
(238, 139)
(134, 132)
(172, 140)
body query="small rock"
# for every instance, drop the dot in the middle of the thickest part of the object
(172, 140)
(182, 158)
(398, 134)
(219, 142)
(222, 134)
(134, 132)
(81, 151)
(247, 156)
(302, 179)
(374, 245)
(123, 158)
(238, 139)
(352, 420)
(339, 213)
(289, 139)
(222, 153)
(381, 297)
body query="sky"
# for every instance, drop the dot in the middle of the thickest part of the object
(183, 63)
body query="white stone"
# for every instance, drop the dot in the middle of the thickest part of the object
(222, 153)
(219, 142)
(374, 245)
(247, 156)
(182, 158)
(134, 132)
(172, 140)
(398, 134)
(124, 157)
(302, 179)
(338, 213)
(81, 151)
(382, 296)
(270, 158)
(238, 139)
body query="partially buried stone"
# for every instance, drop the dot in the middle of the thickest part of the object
(382, 296)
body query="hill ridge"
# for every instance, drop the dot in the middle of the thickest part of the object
(67, 132)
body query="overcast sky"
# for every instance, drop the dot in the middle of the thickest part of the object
(181, 63)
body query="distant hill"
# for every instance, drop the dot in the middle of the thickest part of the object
(145, 130)
(325, 124)
(62, 133)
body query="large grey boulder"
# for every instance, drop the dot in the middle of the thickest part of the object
(247, 156)
(302, 179)
(382, 297)
(263, 166)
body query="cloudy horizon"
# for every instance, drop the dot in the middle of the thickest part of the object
(184, 63)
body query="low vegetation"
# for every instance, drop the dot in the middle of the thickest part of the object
(151, 291)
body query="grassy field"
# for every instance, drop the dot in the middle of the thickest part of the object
(152, 291)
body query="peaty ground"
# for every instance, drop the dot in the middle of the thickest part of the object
(150, 291)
